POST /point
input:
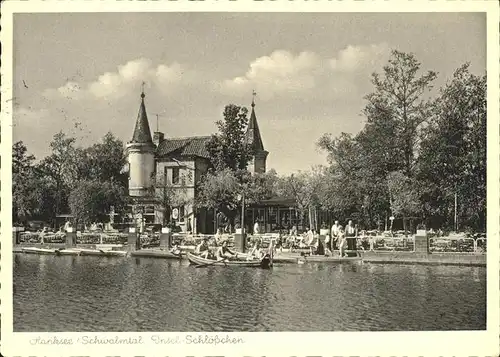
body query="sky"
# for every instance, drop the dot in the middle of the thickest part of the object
(82, 73)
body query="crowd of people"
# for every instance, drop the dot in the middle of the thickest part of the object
(338, 238)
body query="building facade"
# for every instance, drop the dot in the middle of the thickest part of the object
(164, 173)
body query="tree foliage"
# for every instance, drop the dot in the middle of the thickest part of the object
(27, 192)
(414, 154)
(227, 148)
(404, 194)
(91, 201)
(453, 151)
(224, 190)
(42, 190)
(397, 103)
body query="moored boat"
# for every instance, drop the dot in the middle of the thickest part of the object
(67, 252)
(257, 263)
(34, 250)
(102, 253)
(155, 253)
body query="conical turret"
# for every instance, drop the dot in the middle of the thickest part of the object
(140, 155)
(253, 133)
(142, 133)
(254, 140)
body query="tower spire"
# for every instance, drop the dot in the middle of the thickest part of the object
(253, 133)
(142, 133)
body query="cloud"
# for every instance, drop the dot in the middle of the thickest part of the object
(359, 58)
(280, 72)
(71, 90)
(284, 73)
(126, 79)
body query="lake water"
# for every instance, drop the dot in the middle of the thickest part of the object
(84, 294)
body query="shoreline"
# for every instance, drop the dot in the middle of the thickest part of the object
(385, 257)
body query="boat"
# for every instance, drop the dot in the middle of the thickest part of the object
(155, 253)
(257, 263)
(34, 250)
(63, 251)
(323, 259)
(102, 253)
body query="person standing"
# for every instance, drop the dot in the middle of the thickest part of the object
(310, 240)
(256, 227)
(67, 225)
(350, 233)
(335, 235)
(342, 241)
(328, 244)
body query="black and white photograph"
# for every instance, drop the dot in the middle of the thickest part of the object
(229, 172)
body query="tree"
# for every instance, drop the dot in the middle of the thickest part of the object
(21, 160)
(306, 189)
(27, 190)
(68, 166)
(228, 149)
(261, 186)
(361, 164)
(91, 200)
(398, 101)
(104, 161)
(223, 190)
(354, 184)
(60, 170)
(219, 190)
(404, 195)
(452, 161)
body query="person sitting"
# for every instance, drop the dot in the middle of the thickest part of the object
(202, 249)
(255, 252)
(310, 240)
(224, 252)
(175, 249)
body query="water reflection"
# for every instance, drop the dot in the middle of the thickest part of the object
(91, 294)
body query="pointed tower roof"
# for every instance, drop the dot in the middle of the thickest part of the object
(253, 133)
(142, 133)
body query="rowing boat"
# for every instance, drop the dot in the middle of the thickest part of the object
(155, 253)
(102, 253)
(257, 263)
(67, 252)
(34, 250)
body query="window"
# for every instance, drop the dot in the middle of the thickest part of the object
(175, 176)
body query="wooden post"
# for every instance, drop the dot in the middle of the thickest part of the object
(421, 242)
(70, 238)
(240, 240)
(243, 212)
(165, 238)
(132, 239)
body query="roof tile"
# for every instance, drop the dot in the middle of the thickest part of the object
(190, 146)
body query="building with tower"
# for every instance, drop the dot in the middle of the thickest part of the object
(164, 172)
